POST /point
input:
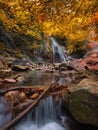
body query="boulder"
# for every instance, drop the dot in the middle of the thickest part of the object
(15, 97)
(83, 102)
(90, 60)
(71, 65)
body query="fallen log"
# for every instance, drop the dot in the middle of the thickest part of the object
(18, 118)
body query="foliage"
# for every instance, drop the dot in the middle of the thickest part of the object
(69, 18)
(94, 21)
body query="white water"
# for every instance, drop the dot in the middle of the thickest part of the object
(43, 117)
(58, 52)
(48, 126)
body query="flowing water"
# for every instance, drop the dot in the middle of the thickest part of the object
(39, 78)
(43, 117)
(47, 115)
(58, 52)
(5, 114)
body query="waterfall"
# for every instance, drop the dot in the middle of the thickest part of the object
(58, 52)
(43, 117)
(45, 112)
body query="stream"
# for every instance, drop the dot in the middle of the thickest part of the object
(47, 115)
(43, 117)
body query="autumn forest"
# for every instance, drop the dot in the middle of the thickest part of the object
(77, 20)
(48, 64)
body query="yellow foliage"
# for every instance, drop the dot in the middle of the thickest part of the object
(64, 18)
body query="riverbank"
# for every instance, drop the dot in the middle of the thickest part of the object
(23, 72)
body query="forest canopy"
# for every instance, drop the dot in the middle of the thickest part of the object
(73, 19)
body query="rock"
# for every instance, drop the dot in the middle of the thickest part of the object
(1, 65)
(83, 102)
(63, 66)
(20, 67)
(20, 79)
(5, 73)
(9, 80)
(12, 95)
(22, 97)
(10, 61)
(90, 60)
(34, 96)
(72, 65)
(15, 97)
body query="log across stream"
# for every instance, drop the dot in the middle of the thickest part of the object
(43, 117)
(43, 114)
(40, 116)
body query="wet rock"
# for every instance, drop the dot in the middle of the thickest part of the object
(15, 97)
(34, 96)
(22, 97)
(20, 68)
(5, 73)
(9, 80)
(20, 79)
(63, 66)
(1, 66)
(10, 61)
(71, 65)
(83, 102)
(11, 95)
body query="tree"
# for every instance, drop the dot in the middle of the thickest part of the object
(70, 18)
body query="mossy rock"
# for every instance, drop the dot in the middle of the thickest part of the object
(83, 102)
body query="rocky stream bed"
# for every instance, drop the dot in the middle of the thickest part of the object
(22, 81)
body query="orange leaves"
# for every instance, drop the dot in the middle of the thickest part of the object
(95, 18)
(59, 17)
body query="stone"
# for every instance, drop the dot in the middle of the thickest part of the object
(5, 73)
(20, 67)
(22, 97)
(9, 80)
(72, 65)
(12, 96)
(1, 65)
(63, 66)
(15, 97)
(34, 96)
(20, 79)
(83, 102)
(90, 60)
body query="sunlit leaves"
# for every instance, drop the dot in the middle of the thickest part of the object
(70, 18)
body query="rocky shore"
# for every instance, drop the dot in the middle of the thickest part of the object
(80, 82)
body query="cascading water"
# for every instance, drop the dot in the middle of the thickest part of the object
(5, 114)
(43, 117)
(58, 52)
(42, 113)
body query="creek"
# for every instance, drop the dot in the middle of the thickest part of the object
(48, 113)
